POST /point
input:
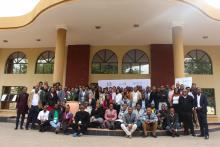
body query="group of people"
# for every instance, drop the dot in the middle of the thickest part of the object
(129, 109)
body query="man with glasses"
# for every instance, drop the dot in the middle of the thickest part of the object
(186, 107)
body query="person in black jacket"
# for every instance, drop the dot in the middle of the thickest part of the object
(51, 99)
(143, 102)
(200, 104)
(173, 123)
(163, 97)
(186, 106)
(81, 122)
(22, 107)
(97, 116)
(154, 98)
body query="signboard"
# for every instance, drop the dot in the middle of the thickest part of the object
(187, 81)
(125, 83)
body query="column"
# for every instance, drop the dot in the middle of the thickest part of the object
(178, 51)
(59, 55)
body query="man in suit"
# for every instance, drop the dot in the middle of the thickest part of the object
(129, 124)
(200, 104)
(186, 104)
(143, 102)
(83, 96)
(22, 107)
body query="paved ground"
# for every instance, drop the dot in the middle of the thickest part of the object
(22, 138)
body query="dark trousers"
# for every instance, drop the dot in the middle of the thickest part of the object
(202, 117)
(43, 126)
(65, 126)
(32, 116)
(117, 107)
(187, 122)
(22, 115)
(79, 128)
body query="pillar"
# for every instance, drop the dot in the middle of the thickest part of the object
(178, 51)
(59, 55)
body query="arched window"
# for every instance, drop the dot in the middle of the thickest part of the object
(45, 63)
(135, 62)
(16, 64)
(105, 62)
(198, 62)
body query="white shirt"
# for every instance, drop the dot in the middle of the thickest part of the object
(198, 100)
(176, 99)
(135, 97)
(43, 116)
(113, 96)
(139, 113)
(118, 98)
(35, 99)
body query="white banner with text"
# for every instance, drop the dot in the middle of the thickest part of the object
(125, 83)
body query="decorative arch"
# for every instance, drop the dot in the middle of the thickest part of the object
(135, 61)
(16, 63)
(105, 62)
(198, 62)
(45, 63)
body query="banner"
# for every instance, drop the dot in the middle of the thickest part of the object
(125, 83)
(187, 81)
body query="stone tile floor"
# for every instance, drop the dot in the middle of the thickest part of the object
(32, 138)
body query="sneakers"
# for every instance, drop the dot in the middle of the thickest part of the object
(75, 135)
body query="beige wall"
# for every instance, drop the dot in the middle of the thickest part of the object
(120, 51)
(209, 81)
(30, 78)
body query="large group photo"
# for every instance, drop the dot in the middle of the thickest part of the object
(131, 109)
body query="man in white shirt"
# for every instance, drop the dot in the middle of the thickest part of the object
(33, 104)
(136, 95)
(43, 119)
(117, 100)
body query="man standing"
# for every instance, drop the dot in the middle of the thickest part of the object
(186, 107)
(129, 124)
(150, 122)
(200, 104)
(34, 105)
(83, 96)
(22, 107)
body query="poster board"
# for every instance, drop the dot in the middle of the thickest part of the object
(186, 81)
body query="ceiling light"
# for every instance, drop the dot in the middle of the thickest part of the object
(136, 25)
(5, 41)
(205, 37)
(98, 27)
(213, 3)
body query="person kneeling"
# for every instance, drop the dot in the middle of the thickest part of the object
(43, 119)
(173, 123)
(129, 124)
(81, 122)
(149, 120)
(55, 117)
